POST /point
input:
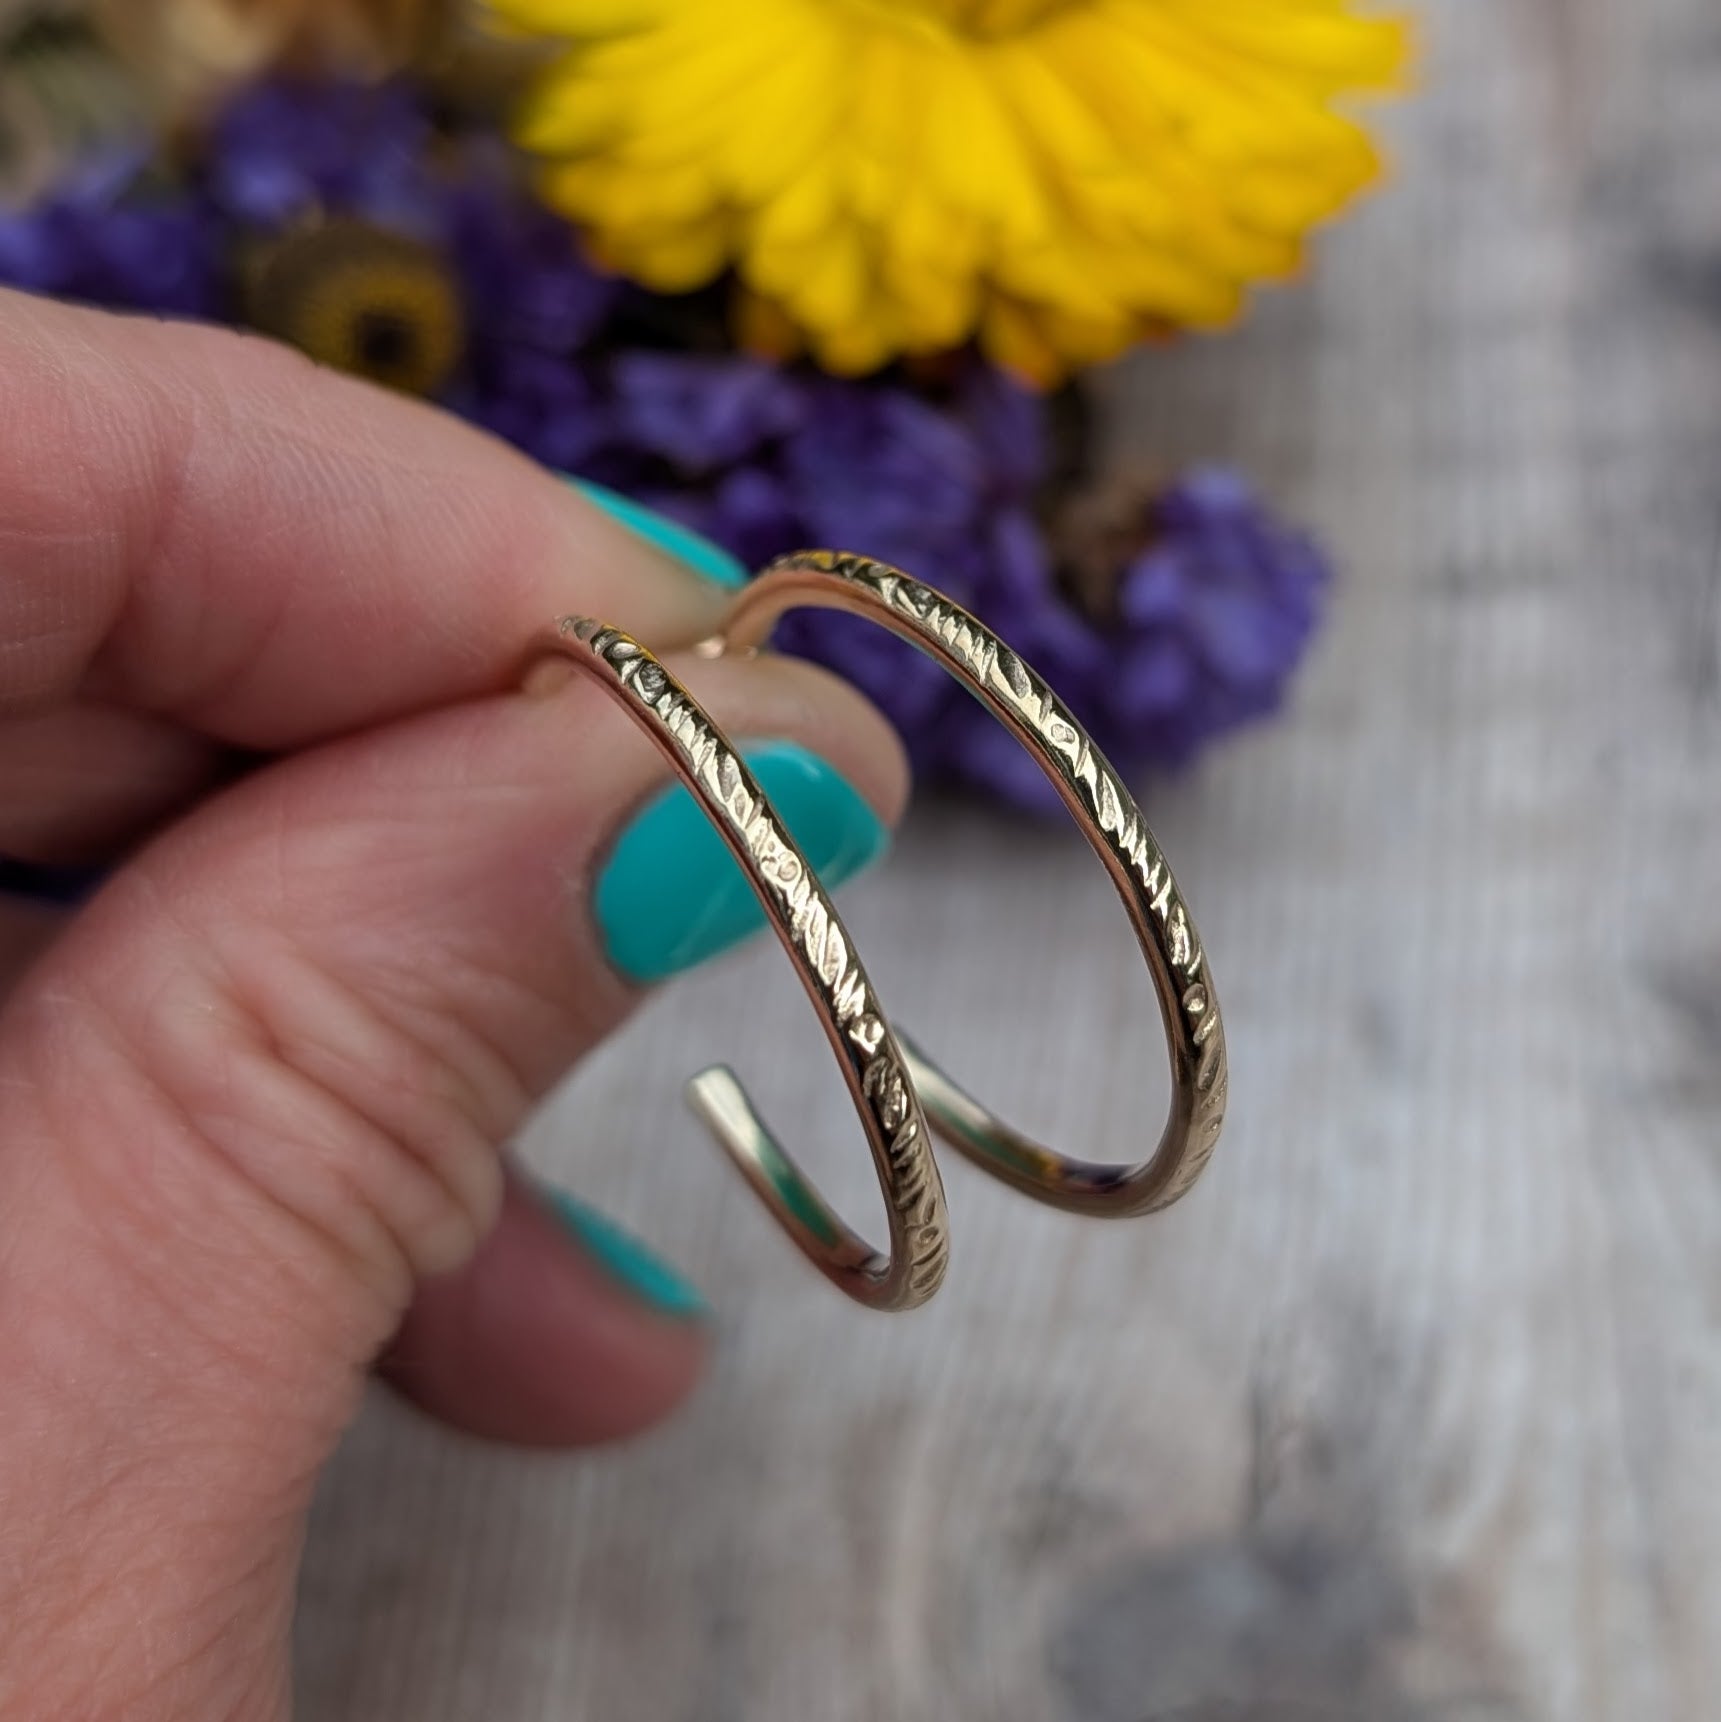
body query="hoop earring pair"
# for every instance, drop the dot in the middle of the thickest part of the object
(898, 1092)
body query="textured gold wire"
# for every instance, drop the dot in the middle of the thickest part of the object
(824, 957)
(1113, 825)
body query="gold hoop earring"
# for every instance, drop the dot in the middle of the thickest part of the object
(824, 957)
(1113, 825)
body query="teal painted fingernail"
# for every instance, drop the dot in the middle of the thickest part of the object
(670, 536)
(672, 895)
(624, 1258)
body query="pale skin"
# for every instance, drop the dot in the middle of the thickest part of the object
(255, 1096)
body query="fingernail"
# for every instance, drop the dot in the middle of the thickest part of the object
(625, 1259)
(672, 895)
(706, 559)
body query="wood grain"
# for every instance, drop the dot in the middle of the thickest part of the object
(1412, 1411)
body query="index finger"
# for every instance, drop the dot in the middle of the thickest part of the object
(207, 527)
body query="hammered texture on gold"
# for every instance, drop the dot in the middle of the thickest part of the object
(817, 942)
(1111, 821)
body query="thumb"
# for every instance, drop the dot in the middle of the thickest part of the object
(254, 1098)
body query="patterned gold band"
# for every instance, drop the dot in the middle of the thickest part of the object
(1113, 825)
(889, 1081)
(824, 957)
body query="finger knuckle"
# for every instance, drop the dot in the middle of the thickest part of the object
(347, 1136)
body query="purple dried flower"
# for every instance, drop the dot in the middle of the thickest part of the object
(92, 239)
(542, 403)
(525, 282)
(1186, 621)
(1204, 621)
(1211, 616)
(290, 152)
(532, 305)
(1008, 424)
(1217, 610)
(755, 514)
(702, 413)
(859, 466)
(883, 472)
(287, 149)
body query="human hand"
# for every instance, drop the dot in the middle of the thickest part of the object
(252, 1095)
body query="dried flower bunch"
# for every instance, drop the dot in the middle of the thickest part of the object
(680, 339)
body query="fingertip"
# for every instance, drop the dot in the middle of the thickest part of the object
(636, 1268)
(294, 554)
(669, 895)
(562, 1331)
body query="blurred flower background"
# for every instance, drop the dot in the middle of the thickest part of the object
(1058, 177)
(795, 272)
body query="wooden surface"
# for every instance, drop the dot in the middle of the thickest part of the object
(1412, 1412)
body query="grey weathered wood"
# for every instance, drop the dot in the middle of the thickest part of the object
(1413, 1410)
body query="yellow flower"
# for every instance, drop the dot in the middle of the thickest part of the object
(1061, 177)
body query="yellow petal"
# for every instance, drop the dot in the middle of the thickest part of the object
(1327, 44)
(678, 260)
(1081, 341)
(613, 194)
(1288, 203)
(774, 133)
(973, 155)
(800, 213)
(828, 289)
(1064, 130)
(890, 177)
(936, 311)
(1012, 340)
(854, 349)
(561, 114)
